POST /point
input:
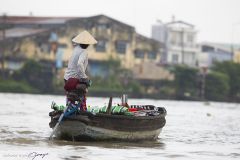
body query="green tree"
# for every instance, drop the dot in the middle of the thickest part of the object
(117, 79)
(186, 83)
(217, 86)
(36, 76)
(232, 70)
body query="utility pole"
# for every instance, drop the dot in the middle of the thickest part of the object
(203, 82)
(4, 17)
(182, 45)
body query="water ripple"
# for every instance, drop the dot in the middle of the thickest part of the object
(193, 130)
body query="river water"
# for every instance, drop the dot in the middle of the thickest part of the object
(194, 130)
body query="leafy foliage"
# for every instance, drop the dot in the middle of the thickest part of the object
(232, 71)
(16, 86)
(185, 82)
(35, 75)
(217, 86)
(117, 79)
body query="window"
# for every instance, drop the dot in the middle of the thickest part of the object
(62, 45)
(189, 38)
(53, 37)
(102, 26)
(173, 38)
(101, 46)
(139, 54)
(121, 47)
(206, 48)
(45, 48)
(175, 58)
(89, 25)
(97, 69)
(176, 38)
(152, 55)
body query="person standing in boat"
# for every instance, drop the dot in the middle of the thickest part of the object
(75, 76)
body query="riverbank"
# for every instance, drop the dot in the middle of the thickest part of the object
(219, 84)
(13, 86)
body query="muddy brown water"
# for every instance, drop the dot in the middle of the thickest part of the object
(194, 130)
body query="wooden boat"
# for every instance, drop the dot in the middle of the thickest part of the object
(103, 126)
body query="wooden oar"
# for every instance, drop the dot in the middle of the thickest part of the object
(59, 121)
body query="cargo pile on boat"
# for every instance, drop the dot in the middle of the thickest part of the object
(132, 110)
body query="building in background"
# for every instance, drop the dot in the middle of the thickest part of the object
(214, 52)
(48, 39)
(179, 38)
(236, 52)
(237, 56)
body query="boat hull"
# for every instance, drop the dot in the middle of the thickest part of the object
(68, 130)
(86, 126)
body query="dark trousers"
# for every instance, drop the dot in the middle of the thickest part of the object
(73, 94)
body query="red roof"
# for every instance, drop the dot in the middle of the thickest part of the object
(21, 32)
(35, 20)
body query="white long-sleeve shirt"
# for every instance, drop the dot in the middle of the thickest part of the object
(77, 64)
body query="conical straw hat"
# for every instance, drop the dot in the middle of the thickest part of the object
(84, 38)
